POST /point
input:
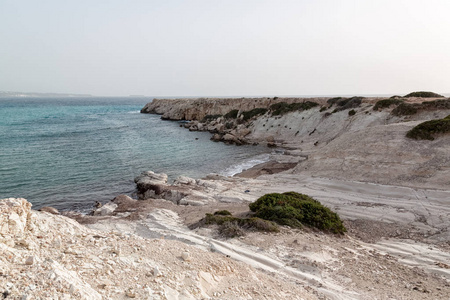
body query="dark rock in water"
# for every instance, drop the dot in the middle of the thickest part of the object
(50, 209)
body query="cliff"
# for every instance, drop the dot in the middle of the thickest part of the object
(352, 138)
(198, 108)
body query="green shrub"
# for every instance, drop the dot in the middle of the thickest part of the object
(334, 100)
(351, 112)
(209, 118)
(436, 104)
(247, 115)
(429, 129)
(423, 94)
(323, 108)
(260, 225)
(405, 109)
(254, 223)
(232, 114)
(282, 108)
(218, 219)
(222, 213)
(345, 103)
(385, 103)
(230, 229)
(294, 209)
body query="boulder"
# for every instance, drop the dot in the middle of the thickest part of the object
(271, 141)
(216, 137)
(148, 180)
(243, 132)
(229, 138)
(106, 209)
(150, 184)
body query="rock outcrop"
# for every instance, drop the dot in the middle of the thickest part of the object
(184, 191)
(54, 257)
(15, 219)
(189, 191)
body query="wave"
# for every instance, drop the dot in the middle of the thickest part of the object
(245, 165)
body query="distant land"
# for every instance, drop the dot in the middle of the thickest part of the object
(22, 94)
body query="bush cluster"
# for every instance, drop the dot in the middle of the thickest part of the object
(294, 209)
(429, 129)
(209, 118)
(405, 109)
(345, 103)
(230, 226)
(282, 108)
(232, 114)
(423, 94)
(385, 103)
(222, 213)
(247, 115)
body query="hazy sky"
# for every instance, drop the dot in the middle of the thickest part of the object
(225, 47)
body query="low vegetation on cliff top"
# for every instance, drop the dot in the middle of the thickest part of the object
(423, 94)
(294, 209)
(345, 103)
(429, 130)
(385, 103)
(282, 108)
(404, 109)
(247, 115)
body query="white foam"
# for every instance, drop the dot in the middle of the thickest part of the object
(245, 165)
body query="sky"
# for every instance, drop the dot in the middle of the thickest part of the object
(225, 48)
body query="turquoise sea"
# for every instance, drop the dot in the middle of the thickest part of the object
(70, 152)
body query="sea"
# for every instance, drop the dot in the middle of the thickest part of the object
(70, 152)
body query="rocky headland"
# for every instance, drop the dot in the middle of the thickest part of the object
(382, 164)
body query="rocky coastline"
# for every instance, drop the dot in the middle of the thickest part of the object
(352, 154)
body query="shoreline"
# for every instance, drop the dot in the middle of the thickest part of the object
(397, 244)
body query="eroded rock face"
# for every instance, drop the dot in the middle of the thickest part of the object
(197, 109)
(15, 216)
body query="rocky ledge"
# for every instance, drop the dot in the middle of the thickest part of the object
(188, 191)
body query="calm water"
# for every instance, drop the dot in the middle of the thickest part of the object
(70, 152)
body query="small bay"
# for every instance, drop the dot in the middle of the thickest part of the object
(70, 152)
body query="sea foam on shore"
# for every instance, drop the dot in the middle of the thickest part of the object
(245, 165)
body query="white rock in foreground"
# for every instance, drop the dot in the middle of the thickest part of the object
(70, 261)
